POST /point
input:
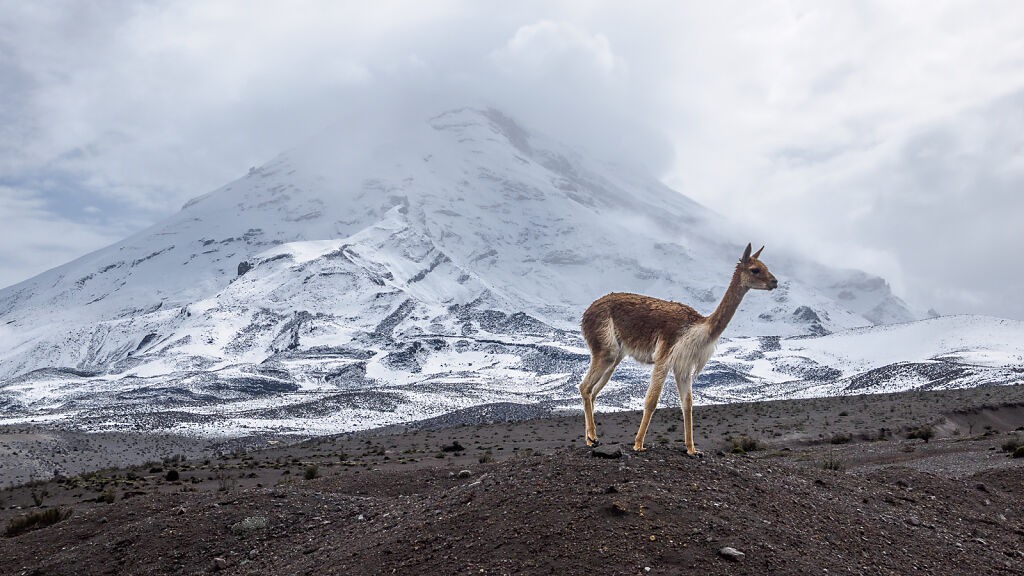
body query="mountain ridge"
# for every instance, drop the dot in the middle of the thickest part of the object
(456, 254)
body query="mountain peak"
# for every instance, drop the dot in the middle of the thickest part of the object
(464, 232)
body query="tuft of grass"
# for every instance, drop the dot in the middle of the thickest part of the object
(742, 444)
(1012, 444)
(250, 524)
(925, 433)
(833, 463)
(310, 472)
(35, 520)
(841, 438)
(1019, 452)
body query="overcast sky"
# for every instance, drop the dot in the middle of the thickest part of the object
(886, 136)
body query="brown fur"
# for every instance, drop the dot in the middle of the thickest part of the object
(668, 334)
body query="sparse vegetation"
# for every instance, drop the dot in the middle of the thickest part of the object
(925, 433)
(36, 520)
(1012, 444)
(833, 463)
(742, 444)
(310, 472)
(841, 438)
(250, 524)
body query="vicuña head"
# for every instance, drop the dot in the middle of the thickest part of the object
(667, 334)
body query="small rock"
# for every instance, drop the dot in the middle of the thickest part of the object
(253, 553)
(455, 446)
(730, 553)
(220, 563)
(617, 509)
(250, 524)
(607, 451)
(611, 490)
(465, 473)
(914, 521)
(981, 487)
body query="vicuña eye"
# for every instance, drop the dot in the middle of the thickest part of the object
(755, 271)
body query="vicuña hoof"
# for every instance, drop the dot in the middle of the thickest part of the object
(638, 448)
(695, 454)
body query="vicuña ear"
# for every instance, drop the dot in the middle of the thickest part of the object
(746, 254)
(757, 254)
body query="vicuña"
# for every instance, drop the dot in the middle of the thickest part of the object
(667, 334)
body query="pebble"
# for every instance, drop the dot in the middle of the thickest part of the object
(465, 473)
(220, 563)
(730, 553)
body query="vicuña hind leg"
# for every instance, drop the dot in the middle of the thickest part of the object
(598, 375)
(602, 379)
(598, 367)
(651, 401)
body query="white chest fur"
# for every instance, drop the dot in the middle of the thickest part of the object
(692, 350)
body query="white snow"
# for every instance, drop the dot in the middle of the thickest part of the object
(457, 254)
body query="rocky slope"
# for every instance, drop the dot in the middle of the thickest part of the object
(364, 279)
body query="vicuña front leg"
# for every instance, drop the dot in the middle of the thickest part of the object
(651, 402)
(684, 383)
(688, 407)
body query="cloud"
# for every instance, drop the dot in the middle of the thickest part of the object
(853, 131)
(35, 239)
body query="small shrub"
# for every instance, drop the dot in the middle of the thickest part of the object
(742, 445)
(38, 496)
(455, 446)
(486, 457)
(841, 438)
(250, 524)
(1019, 452)
(107, 496)
(925, 433)
(1012, 444)
(312, 471)
(172, 476)
(36, 520)
(833, 463)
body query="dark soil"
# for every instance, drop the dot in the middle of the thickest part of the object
(533, 501)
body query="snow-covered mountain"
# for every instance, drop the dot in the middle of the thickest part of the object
(378, 277)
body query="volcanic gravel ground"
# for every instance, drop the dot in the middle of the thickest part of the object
(873, 504)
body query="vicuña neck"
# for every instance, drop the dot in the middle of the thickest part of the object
(727, 307)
